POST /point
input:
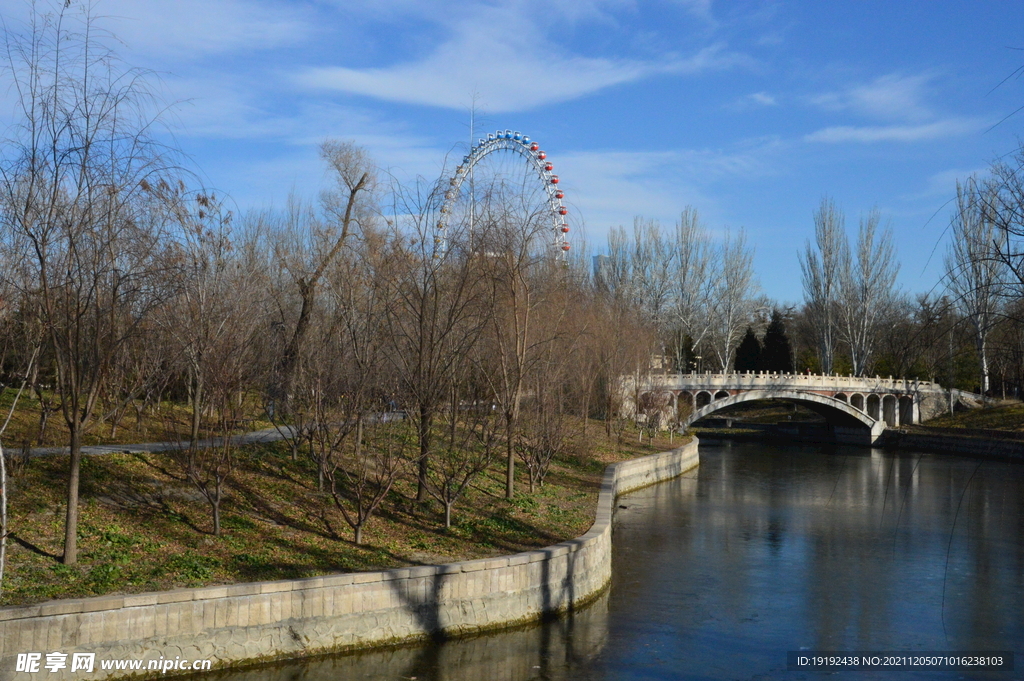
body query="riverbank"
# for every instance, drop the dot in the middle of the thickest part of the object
(246, 623)
(993, 444)
(144, 527)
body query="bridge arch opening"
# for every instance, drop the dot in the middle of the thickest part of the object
(890, 407)
(839, 415)
(703, 399)
(721, 394)
(841, 397)
(857, 401)
(874, 406)
(906, 409)
(684, 405)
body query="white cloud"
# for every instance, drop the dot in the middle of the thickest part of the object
(950, 127)
(511, 59)
(613, 187)
(184, 29)
(890, 97)
(189, 29)
(943, 184)
(507, 77)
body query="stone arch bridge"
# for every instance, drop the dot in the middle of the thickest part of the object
(855, 409)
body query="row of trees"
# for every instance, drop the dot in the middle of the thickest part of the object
(698, 295)
(122, 285)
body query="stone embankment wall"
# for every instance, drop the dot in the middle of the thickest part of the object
(965, 445)
(243, 623)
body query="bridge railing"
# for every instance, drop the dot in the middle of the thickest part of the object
(696, 381)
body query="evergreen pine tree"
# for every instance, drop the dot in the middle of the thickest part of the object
(748, 354)
(776, 353)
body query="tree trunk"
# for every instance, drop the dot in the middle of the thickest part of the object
(71, 520)
(197, 410)
(510, 470)
(290, 359)
(424, 462)
(45, 409)
(216, 517)
(358, 534)
(3, 515)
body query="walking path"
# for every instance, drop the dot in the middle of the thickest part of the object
(265, 435)
(254, 437)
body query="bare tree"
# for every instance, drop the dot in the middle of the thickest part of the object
(1004, 207)
(520, 273)
(466, 449)
(368, 476)
(220, 350)
(74, 201)
(315, 242)
(975, 275)
(693, 279)
(547, 430)
(734, 304)
(868, 290)
(434, 312)
(215, 299)
(822, 268)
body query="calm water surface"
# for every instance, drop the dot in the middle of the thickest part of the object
(764, 550)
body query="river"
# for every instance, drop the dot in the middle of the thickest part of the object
(764, 550)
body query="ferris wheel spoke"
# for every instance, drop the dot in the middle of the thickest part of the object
(536, 160)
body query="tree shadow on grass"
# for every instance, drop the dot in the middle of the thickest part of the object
(261, 505)
(32, 547)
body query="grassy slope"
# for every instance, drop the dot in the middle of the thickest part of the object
(143, 528)
(167, 422)
(1008, 416)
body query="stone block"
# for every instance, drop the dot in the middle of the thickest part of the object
(242, 612)
(210, 592)
(143, 622)
(237, 590)
(114, 626)
(366, 577)
(136, 600)
(176, 596)
(275, 587)
(51, 633)
(277, 608)
(52, 608)
(309, 583)
(102, 603)
(339, 580)
(7, 614)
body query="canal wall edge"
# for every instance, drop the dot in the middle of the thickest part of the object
(240, 624)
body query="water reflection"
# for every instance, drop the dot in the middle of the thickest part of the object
(838, 549)
(763, 550)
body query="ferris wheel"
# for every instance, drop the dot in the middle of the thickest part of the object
(503, 163)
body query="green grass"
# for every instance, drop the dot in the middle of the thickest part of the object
(1006, 416)
(144, 528)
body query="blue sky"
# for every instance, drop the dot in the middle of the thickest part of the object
(749, 111)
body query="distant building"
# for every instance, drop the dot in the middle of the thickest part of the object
(602, 265)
